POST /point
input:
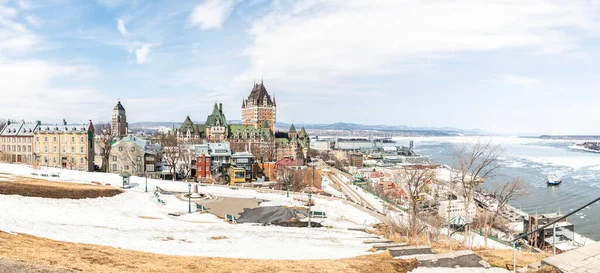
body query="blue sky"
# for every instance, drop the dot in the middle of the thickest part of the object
(500, 65)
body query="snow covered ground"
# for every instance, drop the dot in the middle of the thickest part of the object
(122, 221)
(326, 186)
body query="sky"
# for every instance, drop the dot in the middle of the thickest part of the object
(504, 66)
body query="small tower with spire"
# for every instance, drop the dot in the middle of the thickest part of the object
(119, 121)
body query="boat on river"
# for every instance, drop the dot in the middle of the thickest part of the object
(553, 180)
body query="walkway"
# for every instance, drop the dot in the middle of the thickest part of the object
(581, 260)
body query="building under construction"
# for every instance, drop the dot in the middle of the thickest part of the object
(563, 239)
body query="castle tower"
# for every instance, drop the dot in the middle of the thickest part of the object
(259, 107)
(119, 121)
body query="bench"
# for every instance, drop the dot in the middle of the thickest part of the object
(234, 188)
(44, 175)
(159, 189)
(200, 208)
(202, 185)
(230, 218)
(35, 174)
(161, 201)
(317, 214)
(156, 194)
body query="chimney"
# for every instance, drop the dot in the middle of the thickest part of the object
(64, 122)
(39, 122)
(221, 107)
(8, 122)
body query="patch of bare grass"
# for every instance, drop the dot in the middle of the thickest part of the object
(34, 187)
(103, 259)
(149, 217)
(221, 237)
(503, 257)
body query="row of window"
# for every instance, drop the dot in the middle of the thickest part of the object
(16, 139)
(121, 149)
(54, 160)
(64, 139)
(64, 149)
(16, 148)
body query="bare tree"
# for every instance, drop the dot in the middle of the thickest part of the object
(171, 151)
(503, 194)
(185, 162)
(415, 180)
(474, 162)
(106, 140)
(268, 151)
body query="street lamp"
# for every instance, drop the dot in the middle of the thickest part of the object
(287, 186)
(309, 195)
(190, 198)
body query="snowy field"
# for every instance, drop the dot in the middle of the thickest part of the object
(117, 222)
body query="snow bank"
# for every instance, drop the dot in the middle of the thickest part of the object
(134, 220)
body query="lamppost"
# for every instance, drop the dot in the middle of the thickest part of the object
(146, 176)
(190, 198)
(309, 195)
(287, 186)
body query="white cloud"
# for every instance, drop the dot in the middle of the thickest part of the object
(24, 4)
(141, 54)
(211, 14)
(29, 93)
(121, 27)
(14, 36)
(518, 80)
(316, 42)
(32, 20)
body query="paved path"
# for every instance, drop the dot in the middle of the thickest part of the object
(230, 205)
(581, 260)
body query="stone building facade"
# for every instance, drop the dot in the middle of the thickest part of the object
(215, 129)
(119, 121)
(67, 146)
(133, 155)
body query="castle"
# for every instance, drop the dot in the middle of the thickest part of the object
(256, 134)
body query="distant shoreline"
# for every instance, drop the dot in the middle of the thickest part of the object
(571, 137)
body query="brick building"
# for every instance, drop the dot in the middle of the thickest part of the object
(259, 107)
(16, 142)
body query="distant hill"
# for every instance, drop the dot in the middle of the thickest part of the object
(334, 127)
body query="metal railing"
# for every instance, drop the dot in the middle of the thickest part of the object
(514, 241)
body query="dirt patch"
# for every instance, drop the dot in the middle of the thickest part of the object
(219, 237)
(101, 259)
(43, 188)
(149, 217)
(229, 205)
(12, 266)
(503, 257)
(293, 223)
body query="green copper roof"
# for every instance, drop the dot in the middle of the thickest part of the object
(303, 132)
(217, 116)
(292, 129)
